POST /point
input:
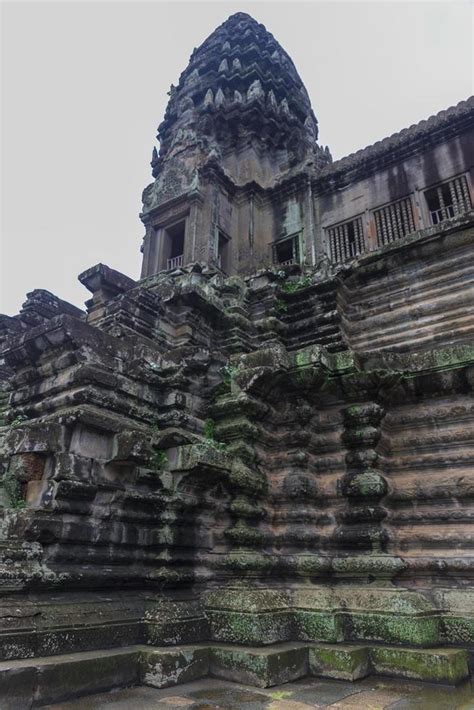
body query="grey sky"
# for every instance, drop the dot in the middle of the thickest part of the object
(84, 88)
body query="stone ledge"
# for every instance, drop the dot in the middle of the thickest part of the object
(34, 682)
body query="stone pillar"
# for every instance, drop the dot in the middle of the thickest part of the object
(363, 486)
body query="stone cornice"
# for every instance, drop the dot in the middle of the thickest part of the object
(397, 147)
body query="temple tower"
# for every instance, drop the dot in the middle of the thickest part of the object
(237, 126)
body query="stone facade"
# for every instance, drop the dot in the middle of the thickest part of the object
(255, 462)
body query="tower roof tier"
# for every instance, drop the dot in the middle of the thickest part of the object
(240, 100)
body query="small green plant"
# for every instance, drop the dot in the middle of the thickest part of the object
(12, 487)
(209, 429)
(227, 372)
(159, 460)
(281, 306)
(294, 286)
(209, 435)
(353, 411)
(18, 420)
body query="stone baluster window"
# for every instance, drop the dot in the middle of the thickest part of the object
(173, 246)
(448, 200)
(346, 240)
(394, 221)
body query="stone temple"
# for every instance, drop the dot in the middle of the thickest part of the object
(257, 461)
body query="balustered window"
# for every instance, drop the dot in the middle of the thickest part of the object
(173, 247)
(346, 240)
(448, 200)
(394, 221)
(287, 251)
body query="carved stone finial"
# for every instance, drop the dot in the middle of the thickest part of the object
(271, 100)
(220, 97)
(209, 98)
(193, 78)
(186, 104)
(284, 108)
(255, 91)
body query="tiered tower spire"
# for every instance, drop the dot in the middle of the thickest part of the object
(241, 102)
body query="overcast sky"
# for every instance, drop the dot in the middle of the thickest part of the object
(84, 88)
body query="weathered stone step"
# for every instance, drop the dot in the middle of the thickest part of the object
(36, 682)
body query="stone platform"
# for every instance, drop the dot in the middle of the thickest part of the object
(35, 682)
(211, 694)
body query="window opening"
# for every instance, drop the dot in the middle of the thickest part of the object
(448, 200)
(394, 221)
(174, 245)
(286, 251)
(346, 240)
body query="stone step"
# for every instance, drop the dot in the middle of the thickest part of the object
(38, 681)
(34, 682)
(349, 662)
(259, 667)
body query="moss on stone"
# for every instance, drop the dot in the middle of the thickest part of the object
(245, 509)
(457, 630)
(438, 665)
(243, 561)
(318, 626)
(243, 628)
(243, 534)
(251, 480)
(259, 668)
(412, 630)
(366, 484)
(344, 662)
(454, 356)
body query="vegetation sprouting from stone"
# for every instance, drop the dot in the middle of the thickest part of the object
(18, 420)
(295, 286)
(281, 306)
(13, 491)
(209, 432)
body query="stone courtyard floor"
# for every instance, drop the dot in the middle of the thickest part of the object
(211, 694)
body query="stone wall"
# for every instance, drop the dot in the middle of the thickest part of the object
(196, 439)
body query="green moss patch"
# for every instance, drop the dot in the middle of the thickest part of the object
(243, 628)
(391, 628)
(317, 626)
(342, 662)
(259, 668)
(436, 665)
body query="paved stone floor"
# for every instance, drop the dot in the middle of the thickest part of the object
(210, 694)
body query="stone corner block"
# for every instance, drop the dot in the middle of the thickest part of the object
(164, 667)
(438, 665)
(261, 668)
(341, 662)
